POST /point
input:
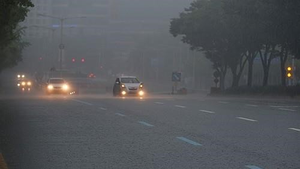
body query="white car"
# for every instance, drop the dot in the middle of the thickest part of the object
(128, 85)
(57, 85)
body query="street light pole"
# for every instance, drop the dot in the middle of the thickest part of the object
(61, 45)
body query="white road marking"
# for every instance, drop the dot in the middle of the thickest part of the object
(284, 109)
(119, 114)
(295, 129)
(102, 108)
(145, 124)
(83, 102)
(223, 102)
(284, 106)
(247, 119)
(159, 103)
(207, 111)
(179, 106)
(251, 105)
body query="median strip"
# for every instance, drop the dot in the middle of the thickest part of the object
(207, 111)
(145, 124)
(189, 141)
(79, 101)
(247, 119)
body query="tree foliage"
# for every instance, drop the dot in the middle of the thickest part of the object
(12, 12)
(233, 33)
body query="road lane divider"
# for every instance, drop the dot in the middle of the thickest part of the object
(285, 109)
(284, 106)
(207, 111)
(145, 124)
(251, 105)
(295, 129)
(179, 106)
(119, 114)
(161, 103)
(247, 119)
(252, 167)
(102, 108)
(189, 141)
(83, 102)
(3, 164)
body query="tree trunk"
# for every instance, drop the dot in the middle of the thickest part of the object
(283, 59)
(250, 71)
(266, 76)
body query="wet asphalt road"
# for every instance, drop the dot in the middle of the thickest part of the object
(160, 131)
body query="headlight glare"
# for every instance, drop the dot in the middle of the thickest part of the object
(29, 83)
(123, 93)
(141, 93)
(23, 83)
(65, 87)
(50, 87)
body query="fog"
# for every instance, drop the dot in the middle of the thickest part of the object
(109, 38)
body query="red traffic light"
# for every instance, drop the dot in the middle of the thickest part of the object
(73, 60)
(82, 60)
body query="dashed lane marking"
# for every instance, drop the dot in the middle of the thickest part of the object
(284, 106)
(119, 114)
(295, 129)
(102, 108)
(145, 124)
(284, 109)
(251, 105)
(83, 102)
(159, 103)
(179, 106)
(247, 119)
(252, 167)
(207, 111)
(189, 141)
(3, 164)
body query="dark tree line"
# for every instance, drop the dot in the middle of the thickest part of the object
(12, 12)
(232, 33)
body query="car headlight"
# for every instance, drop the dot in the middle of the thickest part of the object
(123, 86)
(141, 93)
(23, 76)
(50, 87)
(65, 87)
(29, 83)
(123, 93)
(18, 84)
(19, 76)
(141, 85)
(23, 83)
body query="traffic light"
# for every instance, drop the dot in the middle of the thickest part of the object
(82, 60)
(289, 72)
(73, 60)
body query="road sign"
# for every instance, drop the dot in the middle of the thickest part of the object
(176, 77)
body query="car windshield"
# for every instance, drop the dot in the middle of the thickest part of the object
(129, 80)
(56, 81)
